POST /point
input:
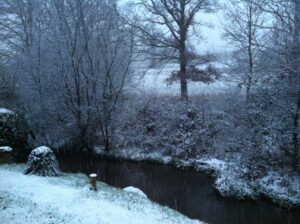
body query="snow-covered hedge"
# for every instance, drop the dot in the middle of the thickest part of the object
(42, 162)
(13, 132)
(5, 149)
(169, 128)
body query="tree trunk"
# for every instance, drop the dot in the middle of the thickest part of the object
(295, 136)
(250, 53)
(183, 83)
(182, 72)
(250, 75)
(296, 70)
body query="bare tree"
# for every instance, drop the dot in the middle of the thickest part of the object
(72, 59)
(165, 25)
(283, 73)
(7, 88)
(296, 73)
(244, 20)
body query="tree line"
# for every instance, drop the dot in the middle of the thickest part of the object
(69, 63)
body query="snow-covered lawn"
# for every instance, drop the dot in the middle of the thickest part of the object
(153, 81)
(68, 200)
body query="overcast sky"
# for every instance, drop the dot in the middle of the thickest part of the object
(212, 36)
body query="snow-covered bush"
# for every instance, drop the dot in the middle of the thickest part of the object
(7, 126)
(169, 127)
(13, 132)
(42, 162)
(135, 190)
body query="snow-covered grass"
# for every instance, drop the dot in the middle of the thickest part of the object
(153, 81)
(67, 199)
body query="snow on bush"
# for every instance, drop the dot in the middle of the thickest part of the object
(13, 132)
(42, 162)
(4, 149)
(169, 128)
(5, 111)
(135, 191)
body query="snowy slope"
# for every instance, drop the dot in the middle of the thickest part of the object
(67, 199)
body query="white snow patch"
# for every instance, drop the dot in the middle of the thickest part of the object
(135, 191)
(6, 111)
(283, 189)
(154, 81)
(42, 150)
(135, 154)
(212, 164)
(93, 175)
(5, 149)
(99, 150)
(67, 199)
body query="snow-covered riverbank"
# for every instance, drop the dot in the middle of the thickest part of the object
(67, 199)
(232, 181)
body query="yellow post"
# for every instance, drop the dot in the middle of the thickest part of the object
(93, 181)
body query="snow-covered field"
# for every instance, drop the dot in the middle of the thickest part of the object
(67, 199)
(153, 81)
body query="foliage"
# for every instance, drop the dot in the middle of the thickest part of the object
(42, 162)
(13, 132)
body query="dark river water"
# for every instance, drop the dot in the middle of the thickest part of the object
(187, 191)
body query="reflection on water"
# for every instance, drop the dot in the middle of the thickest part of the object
(189, 192)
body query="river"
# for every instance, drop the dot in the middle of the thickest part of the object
(187, 191)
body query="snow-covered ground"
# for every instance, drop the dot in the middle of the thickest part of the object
(67, 199)
(153, 81)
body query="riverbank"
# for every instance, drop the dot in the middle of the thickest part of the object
(279, 186)
(67, 199)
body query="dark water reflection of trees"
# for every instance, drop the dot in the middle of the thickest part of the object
(187, 191)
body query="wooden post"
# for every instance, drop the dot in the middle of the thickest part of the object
(93, 181)
(5, 154)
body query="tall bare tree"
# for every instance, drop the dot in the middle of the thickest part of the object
(244, 19)
(166, 25)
